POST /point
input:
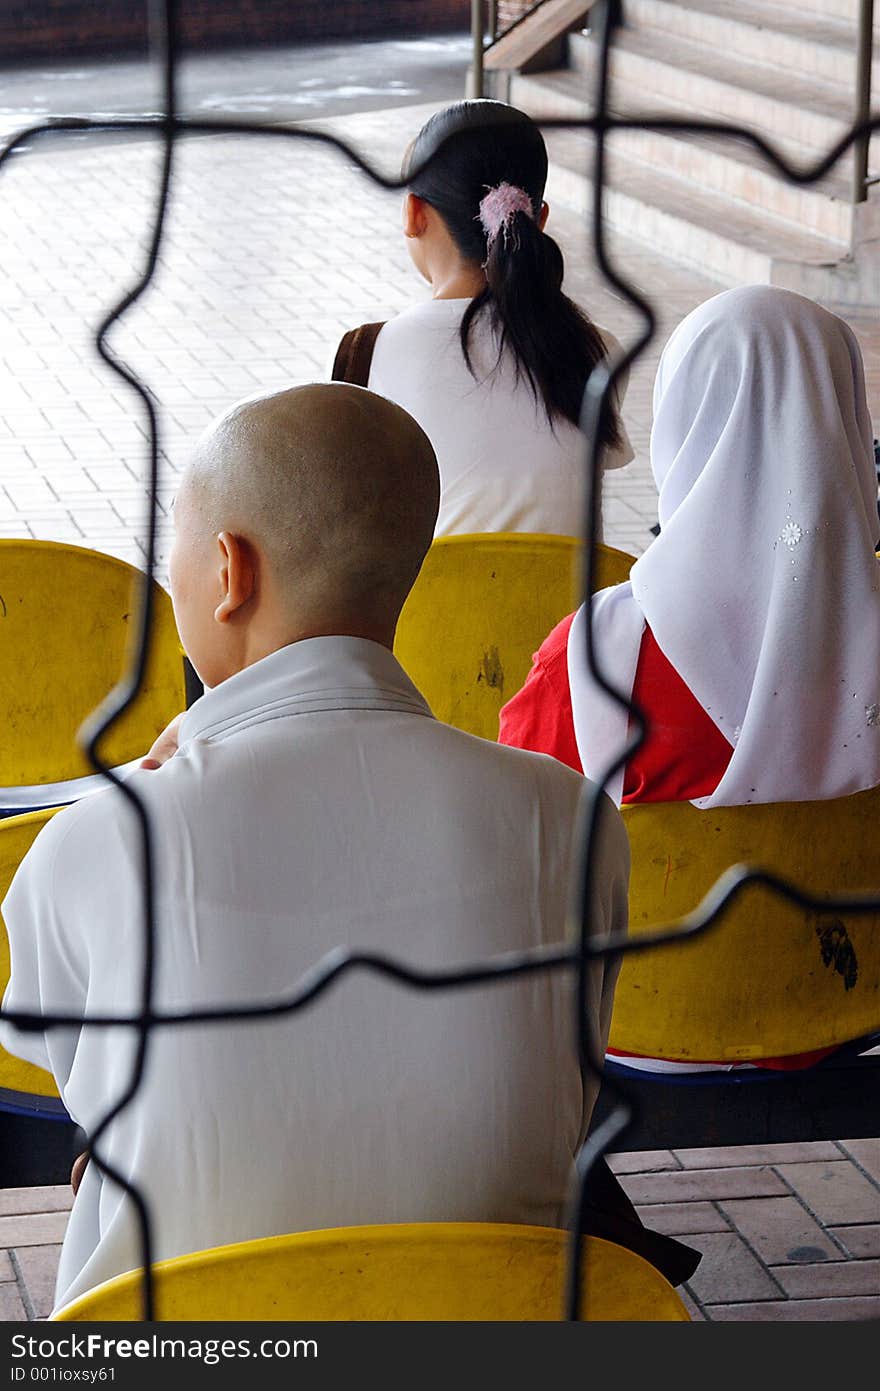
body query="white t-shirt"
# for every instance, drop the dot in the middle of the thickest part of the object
(502, 466)
(315, 804)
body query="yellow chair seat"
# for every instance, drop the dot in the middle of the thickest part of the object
(424, 1271)
(480, 607)
(68, 615)
(767, 980)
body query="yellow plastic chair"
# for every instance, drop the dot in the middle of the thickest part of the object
(425, 1271)
(767, 980)
(66, 619)
(481, 606)
(23, 1087)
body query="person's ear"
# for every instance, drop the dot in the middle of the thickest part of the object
(415, 218)
(237, 575)
(542, 216)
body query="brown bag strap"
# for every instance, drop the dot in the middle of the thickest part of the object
(355, 353)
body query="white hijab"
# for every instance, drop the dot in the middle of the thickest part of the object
(762, 588)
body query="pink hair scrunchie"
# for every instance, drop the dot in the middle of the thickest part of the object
(500, 206)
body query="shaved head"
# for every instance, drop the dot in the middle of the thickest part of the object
(318, 505)
(337, 487)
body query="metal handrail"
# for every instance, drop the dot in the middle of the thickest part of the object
(864, 57)
(484, 15)
(477, 38)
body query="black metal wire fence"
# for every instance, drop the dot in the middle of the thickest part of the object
(170, 127)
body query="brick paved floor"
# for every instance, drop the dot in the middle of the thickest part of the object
(786, 1231)
(271, 253)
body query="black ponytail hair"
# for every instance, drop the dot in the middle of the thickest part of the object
(474, 146)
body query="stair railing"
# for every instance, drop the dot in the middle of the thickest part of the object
(485, 18)
(477, 38)
(864, 56)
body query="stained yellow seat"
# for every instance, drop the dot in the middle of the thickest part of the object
(66, 617)
(430, 1271)
(767, 980)
(481, 606)
(22, 1085)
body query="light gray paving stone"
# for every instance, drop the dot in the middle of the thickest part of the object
(836, 1192)
(780, 1230)
(721, 1184)
(680, 1219)
(738, 1155)
(642, 1162)
(33, 1229)
(862, 1243)
(797, 1311)
(39, 1266)
(12, 1309)
(830, 1279)
(867, 1155)
(49, 1198)
(729, 1271)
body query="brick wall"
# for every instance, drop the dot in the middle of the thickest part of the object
(57, 29)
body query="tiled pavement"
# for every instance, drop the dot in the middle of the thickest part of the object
(272, 251)
(787, 1231)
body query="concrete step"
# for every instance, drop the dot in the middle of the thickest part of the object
(730, 167)
(829, 9)
(679, 75)
(730, 242)
(807, 44)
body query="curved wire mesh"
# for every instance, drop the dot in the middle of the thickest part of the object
(339, 962)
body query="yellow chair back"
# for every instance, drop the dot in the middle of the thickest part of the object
(21, 1084)
(767, 980)
(481, 606)
(66, 619)
(425, 1271)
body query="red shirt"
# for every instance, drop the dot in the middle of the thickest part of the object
(684, 754)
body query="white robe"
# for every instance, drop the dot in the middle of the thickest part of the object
(315, 803)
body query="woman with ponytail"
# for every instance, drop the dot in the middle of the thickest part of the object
(492, 366)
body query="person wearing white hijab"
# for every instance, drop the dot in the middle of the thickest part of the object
(762, 590)
(749, 631)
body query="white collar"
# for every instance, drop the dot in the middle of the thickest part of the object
(326, 673)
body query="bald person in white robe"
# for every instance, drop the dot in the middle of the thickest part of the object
(313, 803)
